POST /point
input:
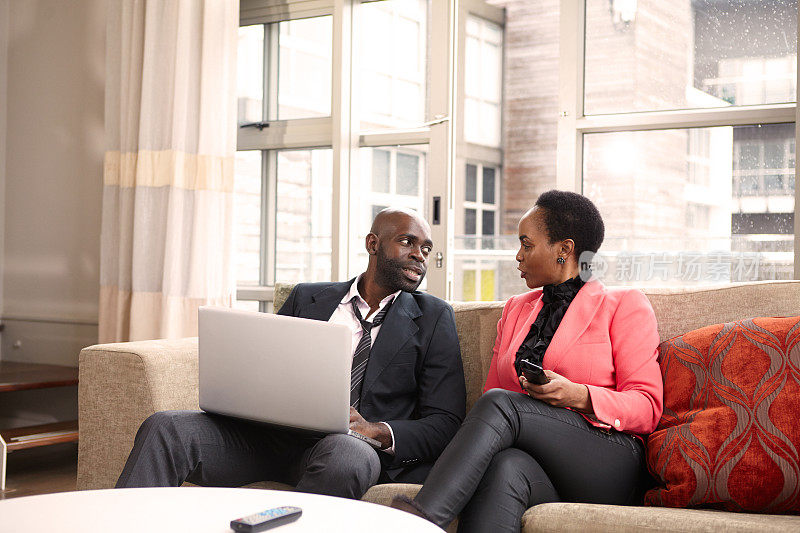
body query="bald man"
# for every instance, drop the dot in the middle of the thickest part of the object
(410, 398)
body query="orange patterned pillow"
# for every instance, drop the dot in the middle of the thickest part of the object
(730, 433)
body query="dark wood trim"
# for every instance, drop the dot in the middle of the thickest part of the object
(40, 435)
(24, 376)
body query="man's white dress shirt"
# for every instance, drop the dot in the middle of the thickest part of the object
(343, 314)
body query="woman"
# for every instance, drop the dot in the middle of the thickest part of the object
(575, 438)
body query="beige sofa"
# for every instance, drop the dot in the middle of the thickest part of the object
(122, 384)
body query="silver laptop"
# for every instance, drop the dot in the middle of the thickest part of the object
(282, 370)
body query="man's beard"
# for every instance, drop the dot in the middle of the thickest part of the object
(389, 273)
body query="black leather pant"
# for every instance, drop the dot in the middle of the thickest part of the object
(513, 452)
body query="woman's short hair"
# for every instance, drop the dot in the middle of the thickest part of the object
(569, 215)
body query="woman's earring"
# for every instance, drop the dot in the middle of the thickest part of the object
(560, 260)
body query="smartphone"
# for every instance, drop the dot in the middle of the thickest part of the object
(533, 372)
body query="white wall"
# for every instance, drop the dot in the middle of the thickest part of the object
(53, 178)
(52, 74)
(4, 8)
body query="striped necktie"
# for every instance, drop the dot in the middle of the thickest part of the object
(361, 355)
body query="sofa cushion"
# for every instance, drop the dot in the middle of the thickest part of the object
(383, 494)
(580, 517)
(730, 433)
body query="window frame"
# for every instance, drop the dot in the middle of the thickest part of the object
(340, 132)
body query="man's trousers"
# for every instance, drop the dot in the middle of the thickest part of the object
(210, 450)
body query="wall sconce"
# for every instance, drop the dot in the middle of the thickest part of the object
(623, 12)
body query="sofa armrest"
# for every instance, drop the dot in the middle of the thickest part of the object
(119, 386)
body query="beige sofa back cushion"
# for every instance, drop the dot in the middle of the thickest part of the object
(677, 311)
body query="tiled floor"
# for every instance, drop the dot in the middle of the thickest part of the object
(41, 470)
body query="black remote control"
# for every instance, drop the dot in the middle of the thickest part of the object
(266, 519)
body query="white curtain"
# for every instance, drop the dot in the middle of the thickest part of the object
(170, 122)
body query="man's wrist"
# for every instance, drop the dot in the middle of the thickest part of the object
(382, 433)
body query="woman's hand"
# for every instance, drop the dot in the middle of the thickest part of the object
(559, 392)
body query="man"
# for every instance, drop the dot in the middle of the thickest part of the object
(407, 389)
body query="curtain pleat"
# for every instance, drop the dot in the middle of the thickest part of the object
(168, 172)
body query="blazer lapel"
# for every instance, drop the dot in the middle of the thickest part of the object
(324, 302)
(396, 329)
(577, 318)
(525, 317)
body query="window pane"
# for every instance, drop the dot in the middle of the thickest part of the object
(488, 185)
(377, 209)
(749, 156)
(304, 68)
(300, 86)
(483, 65)
(405, 188)
(393, 61)
(478, 281)
(487, 227)
(380, 171)
(468, 285)
(651, 54)
(661, 228)
(510, 77)
(471, 193)
(487, 285)
(470, 222)
(247, 217)
(303, 232)
(250, 73)
(407, 174)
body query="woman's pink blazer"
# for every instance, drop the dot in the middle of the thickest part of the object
(607, 340)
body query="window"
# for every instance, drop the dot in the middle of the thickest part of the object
(476, 278)
(484, 81)
(480, 207)
(676, 118)
(689, 54)
(389, 176)
(307, 183)
(284, 70)
(303, 215)
(393, 59)
(282, 230)
(710, 179)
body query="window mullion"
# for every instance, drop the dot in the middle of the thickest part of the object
(271, 64)
(443, 67)
(687, 118)
(344, 140)
(269, 207)
(796, 171)
(569, 149)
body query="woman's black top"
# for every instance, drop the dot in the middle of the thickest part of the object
(556, 300)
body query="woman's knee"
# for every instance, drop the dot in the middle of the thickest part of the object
(494, 400)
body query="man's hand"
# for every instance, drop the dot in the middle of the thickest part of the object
(559, 392)
(373, 430)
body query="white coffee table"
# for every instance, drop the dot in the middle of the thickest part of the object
(194, 509)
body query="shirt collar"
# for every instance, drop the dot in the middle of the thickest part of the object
(354, 292)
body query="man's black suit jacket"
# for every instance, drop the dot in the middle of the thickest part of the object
(414, 379)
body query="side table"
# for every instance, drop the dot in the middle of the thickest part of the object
(196, 509)
(25, 376)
